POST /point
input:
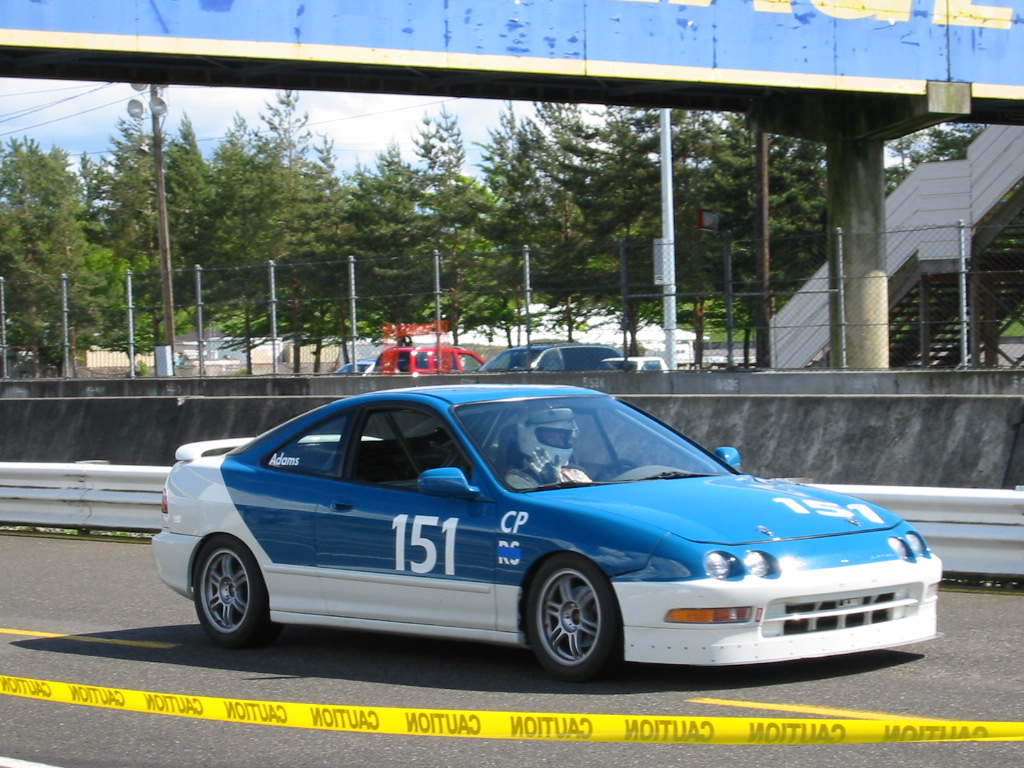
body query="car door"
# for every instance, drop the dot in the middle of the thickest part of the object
(279, 497)
(388, 552)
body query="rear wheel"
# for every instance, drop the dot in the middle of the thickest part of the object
(573, 619)
(231, 598)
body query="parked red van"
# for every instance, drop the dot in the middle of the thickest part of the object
(423, 360)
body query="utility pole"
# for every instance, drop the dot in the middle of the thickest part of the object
(157, 107)
(668, 244)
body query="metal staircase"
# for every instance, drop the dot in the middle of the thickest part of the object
(924, 317)
(925, 246)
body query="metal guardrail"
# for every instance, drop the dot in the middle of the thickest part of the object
(974, 531)
(81, 496)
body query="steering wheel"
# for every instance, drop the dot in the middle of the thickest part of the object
(617, 468)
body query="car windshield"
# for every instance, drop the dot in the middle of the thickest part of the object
(611, 441)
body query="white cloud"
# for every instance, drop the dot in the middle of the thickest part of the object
(81, 117)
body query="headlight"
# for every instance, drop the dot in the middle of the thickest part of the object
(757, 564)
(718, 564)
(900, 547)
(916, 544)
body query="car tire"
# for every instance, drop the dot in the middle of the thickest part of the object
(573, 620)
(230, 595)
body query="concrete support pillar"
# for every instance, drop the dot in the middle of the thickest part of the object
(855, 126)
(856, 205)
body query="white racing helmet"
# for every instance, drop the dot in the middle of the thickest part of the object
(547, 437)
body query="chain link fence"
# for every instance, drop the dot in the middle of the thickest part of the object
(938, 297)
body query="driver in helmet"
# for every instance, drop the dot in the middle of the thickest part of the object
(545, 441)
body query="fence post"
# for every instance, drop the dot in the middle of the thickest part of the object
(729, 299)
(839, 337)
(438, 362)
(352, 308)
(273, 319)
(65, 327)
(200, 342)
(965, 324)
(527, 297)
(129, 295)
(3, 328)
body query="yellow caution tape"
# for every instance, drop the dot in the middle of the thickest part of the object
(514, 725)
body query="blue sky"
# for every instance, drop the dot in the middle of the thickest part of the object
(80, 117)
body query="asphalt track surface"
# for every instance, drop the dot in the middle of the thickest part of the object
(95, 616)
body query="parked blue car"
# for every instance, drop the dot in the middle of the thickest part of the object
(555, 518)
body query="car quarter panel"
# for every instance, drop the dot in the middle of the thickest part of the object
(199, 505)
(532, 526)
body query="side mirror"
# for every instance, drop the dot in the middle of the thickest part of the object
(729, 455)
(450, 482)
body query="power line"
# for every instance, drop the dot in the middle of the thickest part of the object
(32, 110)
(8, 117)
(59, 119)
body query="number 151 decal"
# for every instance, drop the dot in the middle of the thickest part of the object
(830, 508)
(416, 539)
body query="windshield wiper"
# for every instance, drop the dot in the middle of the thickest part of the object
(568, 484)
(674, 474)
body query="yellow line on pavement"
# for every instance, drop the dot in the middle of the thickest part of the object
(806, 709)
(87, 639)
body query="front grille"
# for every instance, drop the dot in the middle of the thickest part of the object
(826, 613)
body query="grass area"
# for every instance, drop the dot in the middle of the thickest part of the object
(128, 537)
(979, 582)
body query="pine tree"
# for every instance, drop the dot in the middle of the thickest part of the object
(386, 226)
(454, 205)
(41, 240)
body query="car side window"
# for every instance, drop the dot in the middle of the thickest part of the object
(316, 451)
(397, 444)
(592, 448)
(469, 363)
(402, 365)
(551, 360)
(583, 358)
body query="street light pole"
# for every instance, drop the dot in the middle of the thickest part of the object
(668, 241)
(163, 230)
(164, 353)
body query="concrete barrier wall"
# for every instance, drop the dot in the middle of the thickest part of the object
(807, 382)
(950, 441)
(785, 425)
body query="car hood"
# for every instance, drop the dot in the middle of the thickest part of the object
(731, 509)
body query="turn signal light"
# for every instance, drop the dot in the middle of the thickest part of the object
(708, 615)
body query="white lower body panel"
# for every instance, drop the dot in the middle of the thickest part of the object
(173, 555)
(400, 628)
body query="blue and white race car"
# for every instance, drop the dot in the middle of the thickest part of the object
(557, 518)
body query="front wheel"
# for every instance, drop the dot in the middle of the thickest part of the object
(231, 597)
(573, 619)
